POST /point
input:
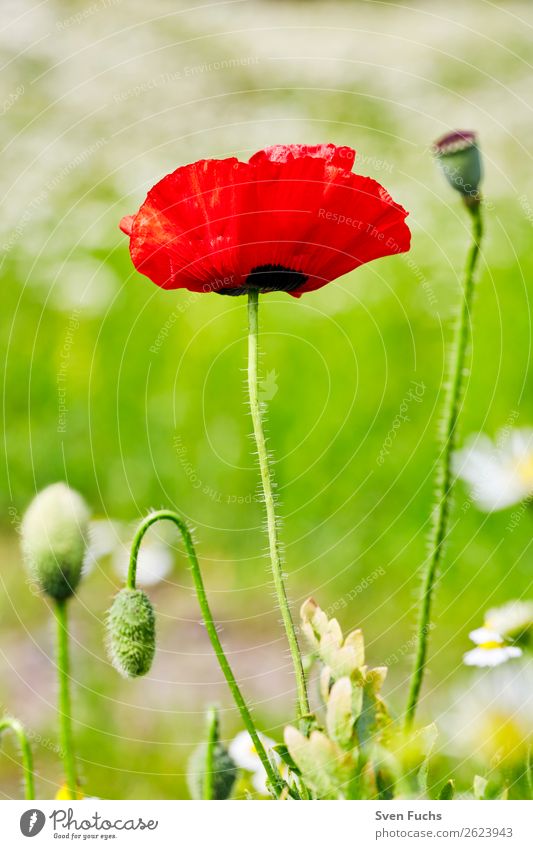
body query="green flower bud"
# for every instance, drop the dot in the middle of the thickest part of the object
(224, 773)
(54, 539)
(212, 771)
(459, 158)
(131, 633)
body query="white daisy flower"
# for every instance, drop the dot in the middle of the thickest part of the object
(513, 620)
(499, 473)
(108, 537)
(491, 649)
(104, 537)
(244, 753)
(259, 778)
(259, 782)
(154, 562)
(490, 714)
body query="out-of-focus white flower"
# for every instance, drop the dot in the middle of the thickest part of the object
(154, 562)
(499, 473)
(104, 537)
(112, 538)
(259, 781)
(490, 714)
(244, 753)
(513, 620)
(491, 649)
(259, 778)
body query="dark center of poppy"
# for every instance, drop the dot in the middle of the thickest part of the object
(269, 278)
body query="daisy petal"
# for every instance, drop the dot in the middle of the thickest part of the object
(485, 635)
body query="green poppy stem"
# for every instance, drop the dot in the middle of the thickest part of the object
(210, 626)
(64, 699)
(452, 409)
(9, 723)
(275, 556)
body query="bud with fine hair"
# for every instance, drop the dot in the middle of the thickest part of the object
(211, 772)
(131, 633)
(459, 158)
(54, 535)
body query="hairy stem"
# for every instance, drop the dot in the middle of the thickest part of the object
(444, 470)
(64, 702)
(8, 722)
(275, 557)
(210, 626)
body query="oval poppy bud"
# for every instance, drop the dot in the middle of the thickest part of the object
(224, 772)
(211, 760)
(131, 633)
(459, 158)
(54, 539)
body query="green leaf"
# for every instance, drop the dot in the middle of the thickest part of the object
(368, 722)
(285, 756)
(325, 768)
(429, 736)
(480, 786)
(355, 641)
(339, 716)
(447, 791)
(384, 784)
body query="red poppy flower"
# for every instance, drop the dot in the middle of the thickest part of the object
(293, 218)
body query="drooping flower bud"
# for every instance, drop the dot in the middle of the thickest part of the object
(131, 633)
(211, 772)
(54, 539)
(459, 158)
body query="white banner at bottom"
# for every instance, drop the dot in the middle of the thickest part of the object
(260, 825)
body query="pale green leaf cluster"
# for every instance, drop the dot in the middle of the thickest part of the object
(334, 761)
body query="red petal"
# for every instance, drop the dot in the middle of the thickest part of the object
(323, 221)
(126, 224)
(342, 157)
(183, 233)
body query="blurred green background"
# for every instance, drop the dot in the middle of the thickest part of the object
(136, 396)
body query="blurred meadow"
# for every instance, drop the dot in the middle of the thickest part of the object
(136, 396)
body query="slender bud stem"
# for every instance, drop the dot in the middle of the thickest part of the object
(212, 735)
(452, 409)
(64, 703)
(209, 625)
(275, 556)
(8, 722)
